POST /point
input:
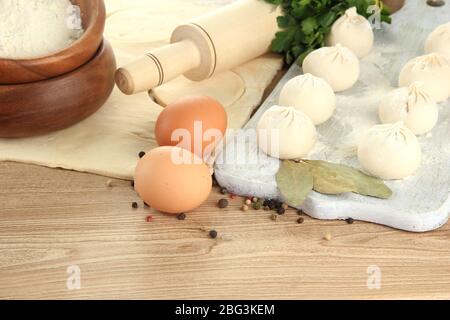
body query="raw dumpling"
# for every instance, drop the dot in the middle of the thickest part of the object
(309, 94)
(352, 31)
(439, 40)
(338, 66)
(433, 70)
(390, 151)
(413, 106)
(285, 133)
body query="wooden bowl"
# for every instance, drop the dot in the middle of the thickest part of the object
(41, 107)
(93, 15)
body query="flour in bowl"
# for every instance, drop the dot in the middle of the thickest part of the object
(36, 28)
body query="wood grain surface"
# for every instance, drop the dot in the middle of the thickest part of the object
(53, 219)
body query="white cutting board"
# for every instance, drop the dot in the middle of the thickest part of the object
(421, 202)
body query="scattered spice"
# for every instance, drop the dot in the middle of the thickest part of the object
(248, 202)
(284, 206)
(266, 202)
(281, 211)
(272, 204)
(274, 217)
(300, 220)
(223, 203)
(327, 237)
(266, 208)
(277, 205)
(350, 220)
(213, 234)
(109, 183)
(223, 191)
(141, 154)
(244, 208)
(300, 212)
(134, 205)
(181, 216)
(254, 199)
(149, 218)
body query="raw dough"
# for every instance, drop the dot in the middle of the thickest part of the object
(108, 142)
(413, 106)
(352, 31)
(390, 151)
(226, 87)
(309, 94)
(433, 70)
(285, 133)
(439, 40)
(338, 66)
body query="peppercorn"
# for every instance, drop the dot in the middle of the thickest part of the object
(266, 202)
(223, 191)
(223, 203)
(281, 211)
(284, 206)
(256, 205)
(141, 154)
(134, 205)
(272, 204)
(181, 216)
(274, 217)
(350, 221)
(300, 212)
(213, 234)
(278, 205)
(254, 199)
(244, 208)
(248, 202)
(300, 220)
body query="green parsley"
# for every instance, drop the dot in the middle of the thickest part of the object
(305, 23)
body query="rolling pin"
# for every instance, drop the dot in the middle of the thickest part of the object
(215, 42)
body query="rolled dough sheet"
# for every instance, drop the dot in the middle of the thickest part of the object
(108, 142)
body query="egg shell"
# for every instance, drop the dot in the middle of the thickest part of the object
(203, 119)
(172, 180)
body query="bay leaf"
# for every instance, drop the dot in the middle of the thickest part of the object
(364, 184)
(294, 182)
(329, 181)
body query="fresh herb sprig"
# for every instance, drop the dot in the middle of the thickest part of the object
(305, 23)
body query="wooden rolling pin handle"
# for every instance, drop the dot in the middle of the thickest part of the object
(158, 66)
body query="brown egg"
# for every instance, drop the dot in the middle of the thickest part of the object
(172, 180)
(195, 123)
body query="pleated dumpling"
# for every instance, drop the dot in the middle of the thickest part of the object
(439, 40)
(310, 94)
(352, 31)
(413, 106)
(285, 133)
(390, 151)
(433, 70)
(337, 65)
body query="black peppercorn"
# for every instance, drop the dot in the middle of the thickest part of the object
(350, 221)
(223, 191)
(266, 203)
(141, 154)
(181, 216)
(134, 205)
(281, 210)
(300, 220)
(271, 204)
(278, 205)
(223, 203)
(213, 234)
(300, 212)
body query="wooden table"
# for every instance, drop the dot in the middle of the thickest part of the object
(53, 219)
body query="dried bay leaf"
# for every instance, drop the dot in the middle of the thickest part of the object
(294, 182)
(363, 184)
(328, 181)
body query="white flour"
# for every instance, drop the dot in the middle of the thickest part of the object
(36, 28)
